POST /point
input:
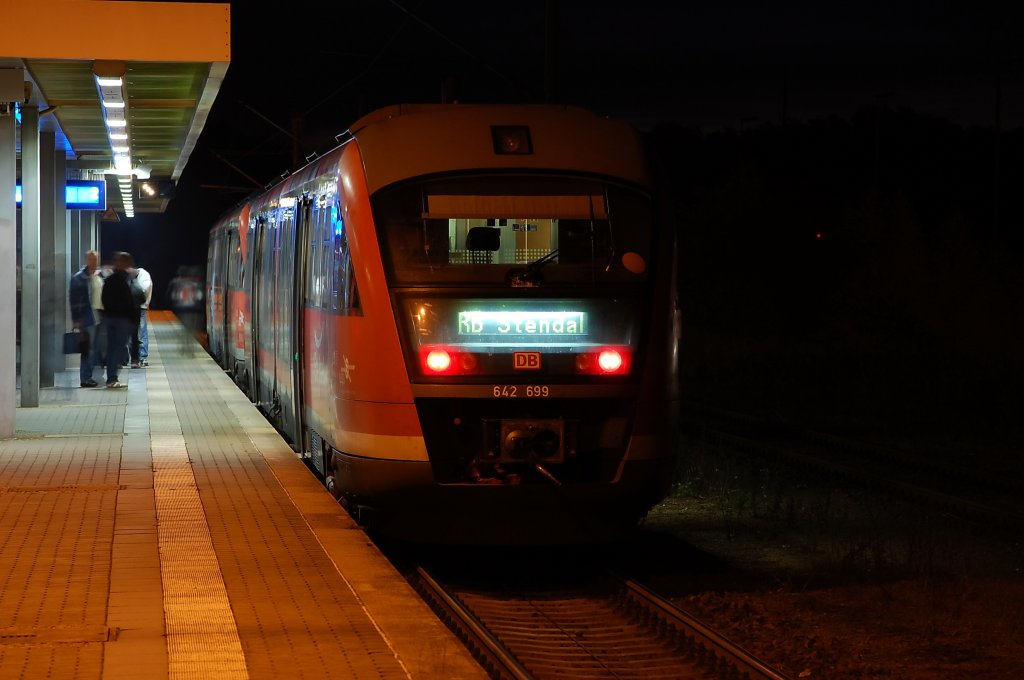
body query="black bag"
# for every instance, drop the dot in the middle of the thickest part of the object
(138, 292)
(73, 342)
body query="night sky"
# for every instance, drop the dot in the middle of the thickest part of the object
(313, 71)
(845, 176)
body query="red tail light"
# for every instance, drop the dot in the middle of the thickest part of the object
(438, 361)
(435, 360)
(605, 361)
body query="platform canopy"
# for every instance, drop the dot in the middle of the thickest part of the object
(157, 66)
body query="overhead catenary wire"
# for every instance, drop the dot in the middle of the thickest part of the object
(409, 15)
(384, 46)
(472, 55)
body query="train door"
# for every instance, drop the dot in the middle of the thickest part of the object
(247, 278)
(263, 314)
(303, 234)
(289, 318)
(231, 263)
(215, 297)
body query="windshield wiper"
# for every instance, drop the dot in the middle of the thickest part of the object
(530, 276)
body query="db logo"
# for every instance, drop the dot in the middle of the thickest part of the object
(526, 361)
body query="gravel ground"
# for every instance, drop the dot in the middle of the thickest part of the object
(823, 580)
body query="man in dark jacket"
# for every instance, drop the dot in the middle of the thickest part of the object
(119, 312)
(83, 315)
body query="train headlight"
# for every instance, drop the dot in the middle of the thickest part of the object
(547, 443)
(518, 444)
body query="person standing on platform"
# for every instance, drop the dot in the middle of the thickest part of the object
(99, 349)
(119, 314)
(140, 344)
(83, 314)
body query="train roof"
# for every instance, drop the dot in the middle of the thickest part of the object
(403, 141)
(409, 140)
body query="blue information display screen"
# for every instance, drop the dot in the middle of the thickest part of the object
(79, 194)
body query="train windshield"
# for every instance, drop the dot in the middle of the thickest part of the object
(516, 231)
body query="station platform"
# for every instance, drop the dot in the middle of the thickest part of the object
(167, 531)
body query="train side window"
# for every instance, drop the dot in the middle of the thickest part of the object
(313, 275)
(320, 256)
(344, 294)
(312, 278)
(265, 281)
(243, 270)
(236, 260)
(324, 254)
(324, 300)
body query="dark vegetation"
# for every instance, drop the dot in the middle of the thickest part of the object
(853, 274)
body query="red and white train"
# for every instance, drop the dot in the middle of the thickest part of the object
(465, 318)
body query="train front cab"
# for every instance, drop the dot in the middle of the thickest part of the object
(536, 316)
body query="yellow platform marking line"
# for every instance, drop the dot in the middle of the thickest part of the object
(202, 635)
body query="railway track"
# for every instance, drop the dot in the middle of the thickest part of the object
(608, 627)
(971, 494)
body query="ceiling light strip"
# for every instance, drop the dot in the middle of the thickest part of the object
(114, 105)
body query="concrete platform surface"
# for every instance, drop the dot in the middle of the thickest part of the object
(167, 531)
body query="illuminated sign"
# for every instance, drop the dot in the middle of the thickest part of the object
(79, 194)
(483, 323)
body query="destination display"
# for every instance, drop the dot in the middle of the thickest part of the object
(513, 323)
(506, 325)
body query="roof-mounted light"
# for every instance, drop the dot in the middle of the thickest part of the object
(511, 140)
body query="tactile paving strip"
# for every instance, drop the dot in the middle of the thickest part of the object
(202, 638)
(296, 617)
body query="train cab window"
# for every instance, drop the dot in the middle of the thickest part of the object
(485, 229)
